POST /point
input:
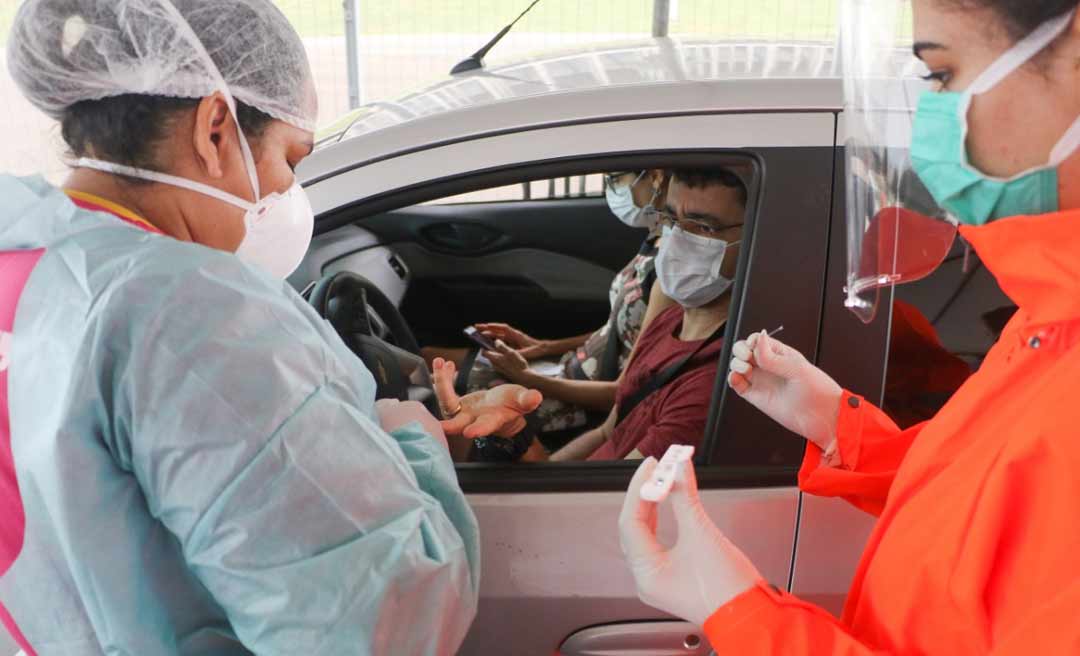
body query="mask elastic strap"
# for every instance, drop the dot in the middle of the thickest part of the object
(652, 201)
(200, 49)
(164, 178)
(1021, 53)
(1068, 144)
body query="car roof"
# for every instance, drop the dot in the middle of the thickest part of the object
(640, 78)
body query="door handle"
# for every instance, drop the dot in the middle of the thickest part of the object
(462, 237)
(638, 639)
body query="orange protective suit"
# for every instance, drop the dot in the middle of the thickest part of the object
(977, 545)
(923, 375)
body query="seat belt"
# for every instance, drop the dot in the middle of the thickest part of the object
(661, 379)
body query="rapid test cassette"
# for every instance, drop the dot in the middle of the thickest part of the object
(667, 470)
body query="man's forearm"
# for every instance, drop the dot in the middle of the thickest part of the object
(589, 394)
(582, 447)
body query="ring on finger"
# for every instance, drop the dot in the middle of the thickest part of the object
(453, 413)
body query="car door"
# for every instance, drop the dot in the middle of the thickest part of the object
(553, 576)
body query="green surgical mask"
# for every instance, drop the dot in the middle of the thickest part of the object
(939, 146)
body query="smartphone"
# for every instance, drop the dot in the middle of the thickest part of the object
(482, 340)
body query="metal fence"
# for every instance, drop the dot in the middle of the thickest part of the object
(366, 51)
(369, 50)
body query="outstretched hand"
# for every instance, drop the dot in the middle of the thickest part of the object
(500, 411)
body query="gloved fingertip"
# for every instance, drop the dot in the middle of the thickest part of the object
(752, 342)
(762, 353)
(648, 465)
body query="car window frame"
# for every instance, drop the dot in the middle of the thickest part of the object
(611, 475)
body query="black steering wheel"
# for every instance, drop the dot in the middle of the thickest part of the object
(372, 327)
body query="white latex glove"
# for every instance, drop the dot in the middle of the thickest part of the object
(780, 382)
(394, 414)
(701, 573)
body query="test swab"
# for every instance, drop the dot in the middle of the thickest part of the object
(667, 470)
(774, 332)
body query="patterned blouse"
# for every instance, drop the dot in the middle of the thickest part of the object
(629, 300)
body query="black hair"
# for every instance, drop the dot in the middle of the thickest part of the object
(128, 129)
(1021, 17)
(699, 178)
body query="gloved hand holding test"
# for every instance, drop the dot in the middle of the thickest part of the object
(702, 570)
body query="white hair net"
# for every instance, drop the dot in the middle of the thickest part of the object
(65, 51)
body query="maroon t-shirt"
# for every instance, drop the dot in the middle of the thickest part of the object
(675, 414)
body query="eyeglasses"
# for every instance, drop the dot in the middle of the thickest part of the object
(613, 179)
(693, 226)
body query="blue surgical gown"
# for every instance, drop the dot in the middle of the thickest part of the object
(200, 462)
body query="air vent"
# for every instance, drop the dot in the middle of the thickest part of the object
(399, 267)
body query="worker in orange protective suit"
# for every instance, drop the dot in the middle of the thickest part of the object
(922, 374)
(975, 547)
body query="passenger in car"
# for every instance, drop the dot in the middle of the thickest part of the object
(665, 393)
(577, 374)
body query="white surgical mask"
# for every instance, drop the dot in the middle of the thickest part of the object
(279, 232)
(620, 199)
(278, 227)
(688, 267)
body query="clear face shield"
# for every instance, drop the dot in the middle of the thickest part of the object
(896, 232)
